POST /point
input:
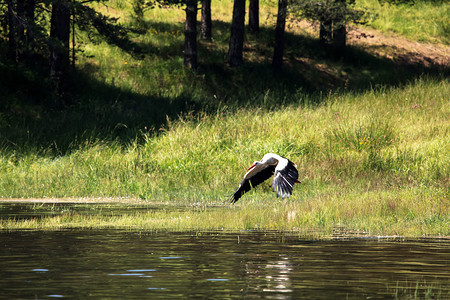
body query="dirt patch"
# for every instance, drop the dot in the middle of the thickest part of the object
(400, 49)
(389, 48)
(389, 45)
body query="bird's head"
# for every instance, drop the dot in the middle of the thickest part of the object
(254, 165)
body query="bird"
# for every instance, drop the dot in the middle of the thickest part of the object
(284, 171)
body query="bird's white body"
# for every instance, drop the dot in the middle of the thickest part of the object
(284, 171)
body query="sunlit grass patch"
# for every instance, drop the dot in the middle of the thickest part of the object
(425, 21)
(405, 212)
(347, 139)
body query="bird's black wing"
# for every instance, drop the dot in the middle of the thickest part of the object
(253, 181)
(284, 180)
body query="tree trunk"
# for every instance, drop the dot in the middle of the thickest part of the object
(339, 30)
(279, 34)
(325, 32)
(237, 34)
(29, 14)
(59, 44)
(20, 29)
(26, 35)
(190, 35)
(21, 26)
(253, 16)
(339, 40)
(13, 27)
(73, 36)
(206, 23)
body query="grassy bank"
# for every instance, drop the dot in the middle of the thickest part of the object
(382, 138)
(425, 21)
(121, 90)
(376, 162)
(405, 212)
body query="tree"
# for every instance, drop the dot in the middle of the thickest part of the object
(325, 31)
(253, 16)
(279, 34)
(13, 28)
(20, 16)
(333, 15)
(206, 23)
(190, 32)
(237, 34)
(59, 44)
(190, 40)
(339, 39)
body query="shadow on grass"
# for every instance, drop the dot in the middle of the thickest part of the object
(99, 111)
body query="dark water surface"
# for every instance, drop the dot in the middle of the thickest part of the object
(121, 264)
(24, 211)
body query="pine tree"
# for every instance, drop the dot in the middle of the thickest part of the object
(235, 56)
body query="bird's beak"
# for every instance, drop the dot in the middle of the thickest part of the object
(251, 167)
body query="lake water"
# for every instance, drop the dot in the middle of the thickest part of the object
(122, 264)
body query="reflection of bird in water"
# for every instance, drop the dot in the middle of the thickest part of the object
(278, 278)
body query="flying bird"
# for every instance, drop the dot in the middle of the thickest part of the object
(284, 171)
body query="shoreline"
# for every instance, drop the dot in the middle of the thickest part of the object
(82, 200)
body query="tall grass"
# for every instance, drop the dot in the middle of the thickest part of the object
(398, 134)
(425, 21)
(377, 161)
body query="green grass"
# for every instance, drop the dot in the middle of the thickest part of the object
(376, 162)
(425, 21)
(405, 212)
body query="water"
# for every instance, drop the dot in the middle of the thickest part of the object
(122, 264)
(22, 211)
